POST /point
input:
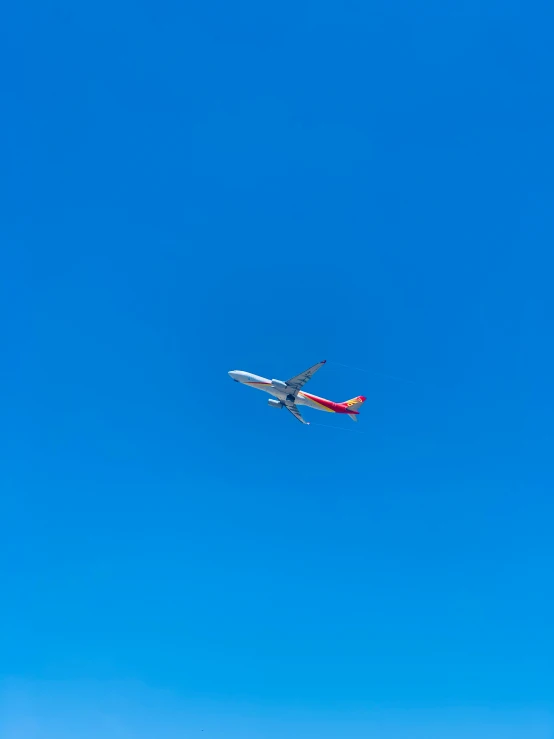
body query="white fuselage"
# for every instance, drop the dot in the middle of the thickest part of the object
(279, 390)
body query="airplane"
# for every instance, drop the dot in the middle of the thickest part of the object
(289, 394)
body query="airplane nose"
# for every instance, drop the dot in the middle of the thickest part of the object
(233, 375)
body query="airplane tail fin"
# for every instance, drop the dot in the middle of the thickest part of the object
(354, 404)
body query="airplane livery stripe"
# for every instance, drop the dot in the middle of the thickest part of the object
(327, 404)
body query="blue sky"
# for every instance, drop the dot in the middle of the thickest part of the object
(192, 188)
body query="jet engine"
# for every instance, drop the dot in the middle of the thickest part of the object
(279, 384)
(274, 403)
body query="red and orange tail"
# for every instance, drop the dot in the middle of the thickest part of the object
(354, 405)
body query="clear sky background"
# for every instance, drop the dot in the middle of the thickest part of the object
(190, 188)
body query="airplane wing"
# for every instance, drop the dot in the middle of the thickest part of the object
(293, 408)
(297, 382)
